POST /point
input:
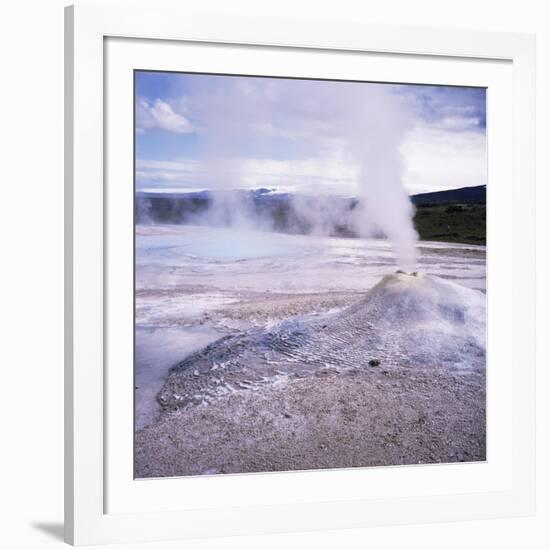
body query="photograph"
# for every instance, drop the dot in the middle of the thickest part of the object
(309, 274)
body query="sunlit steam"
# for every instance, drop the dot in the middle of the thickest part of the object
(364, 124)
(380, 129)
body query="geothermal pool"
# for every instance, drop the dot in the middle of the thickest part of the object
(196, 284)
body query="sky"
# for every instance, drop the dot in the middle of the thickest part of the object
(196, 132)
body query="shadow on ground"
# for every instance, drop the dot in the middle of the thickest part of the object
(53, 530)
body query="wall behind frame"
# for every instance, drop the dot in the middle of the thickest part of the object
(31, 225)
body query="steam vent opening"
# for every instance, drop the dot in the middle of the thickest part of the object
(412, 273)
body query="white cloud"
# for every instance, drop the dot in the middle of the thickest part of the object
(160, 114)
(459, 124)
(437, 159)
(178, 165)
(327, 175)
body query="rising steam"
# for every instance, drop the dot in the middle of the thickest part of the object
(380, 128)
(364, 124)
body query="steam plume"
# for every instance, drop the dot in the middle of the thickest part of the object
(363, 123)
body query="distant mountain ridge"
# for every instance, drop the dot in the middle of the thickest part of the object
(475, 194)
(463, 194)
(456, 215)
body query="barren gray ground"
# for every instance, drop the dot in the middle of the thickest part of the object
(365, 417)
(251, 394)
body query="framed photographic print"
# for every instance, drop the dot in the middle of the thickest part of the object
(300, 271)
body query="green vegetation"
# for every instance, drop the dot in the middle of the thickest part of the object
(451, 222)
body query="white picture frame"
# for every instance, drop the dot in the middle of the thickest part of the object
(103, 503)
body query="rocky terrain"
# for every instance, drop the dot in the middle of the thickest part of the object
(397, 377)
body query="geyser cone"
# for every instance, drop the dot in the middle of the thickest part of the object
(422, 320)
(406, 320)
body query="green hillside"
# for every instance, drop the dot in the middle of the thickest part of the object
(455, 222)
